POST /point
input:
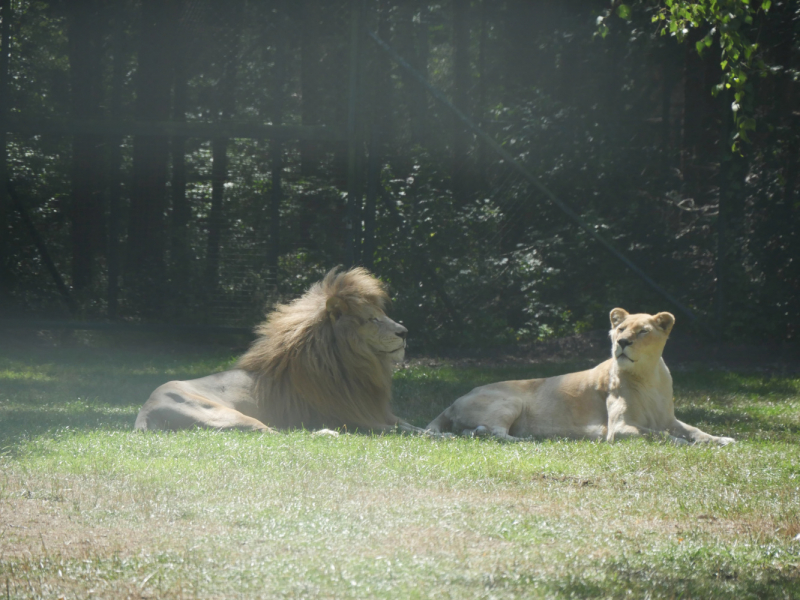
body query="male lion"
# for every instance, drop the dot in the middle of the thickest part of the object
(630, 394)
(323, 360)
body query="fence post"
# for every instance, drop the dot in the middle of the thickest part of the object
(353, 218)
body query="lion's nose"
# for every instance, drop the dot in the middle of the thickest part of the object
(402, 333)
(624, 343)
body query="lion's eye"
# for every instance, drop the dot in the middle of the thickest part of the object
(644, 331)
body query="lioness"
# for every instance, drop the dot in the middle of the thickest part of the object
(630, 394)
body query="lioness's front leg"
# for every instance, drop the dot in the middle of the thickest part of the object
(695, 435)
(620, 425)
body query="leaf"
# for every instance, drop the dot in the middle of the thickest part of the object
(624, 11)
(765, 5)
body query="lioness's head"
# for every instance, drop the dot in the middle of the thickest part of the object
(638, 339)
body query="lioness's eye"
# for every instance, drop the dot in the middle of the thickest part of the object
(643, 331)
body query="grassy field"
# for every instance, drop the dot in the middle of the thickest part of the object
(90, 509)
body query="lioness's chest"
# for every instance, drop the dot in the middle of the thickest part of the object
(649, 406)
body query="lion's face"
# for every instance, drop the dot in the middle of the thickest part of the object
(367, 325)
(639, 339)
(384, 336)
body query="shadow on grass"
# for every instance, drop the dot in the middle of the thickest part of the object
(19, 426)
(693, 415)
(719, 383)
(44, 388)
(739, 581)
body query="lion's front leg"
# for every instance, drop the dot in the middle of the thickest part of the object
(404, 427)
(696, 436)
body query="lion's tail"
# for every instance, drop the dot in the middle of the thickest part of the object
(441, 424)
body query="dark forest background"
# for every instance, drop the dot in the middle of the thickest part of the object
(320, 150)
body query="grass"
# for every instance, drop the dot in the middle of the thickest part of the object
(90, 509)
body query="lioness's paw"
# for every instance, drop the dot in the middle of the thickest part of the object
(678, 441)
(724, 441)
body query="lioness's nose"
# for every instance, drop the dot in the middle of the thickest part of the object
(402, 332)
(624, 343)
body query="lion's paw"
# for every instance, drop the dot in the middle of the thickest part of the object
(724, 441)
(479, 431)
(325, 432)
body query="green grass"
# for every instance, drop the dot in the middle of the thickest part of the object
(89, 508)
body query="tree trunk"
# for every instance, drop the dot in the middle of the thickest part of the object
(481, 108)
(460, 136)
(700, 114)
(778, 224)
(145, 257)
(5, 199)
(115, 163)
(229, 16)
(381, 79)
(276, 146)
(412, 44)
(181, 209)
(311, 95)
(85, 28)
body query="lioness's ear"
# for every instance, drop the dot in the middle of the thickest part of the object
(618, 316)
(665, 321)
(336, 307)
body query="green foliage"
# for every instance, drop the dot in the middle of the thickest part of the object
(731, 21)
(474, 255)
(728, 25)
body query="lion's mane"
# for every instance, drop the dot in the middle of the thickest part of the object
(313, 370)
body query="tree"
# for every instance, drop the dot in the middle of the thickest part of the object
(146, 273)
(729, 25)
(86, 26)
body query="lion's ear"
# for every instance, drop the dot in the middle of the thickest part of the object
(665, 321)
(617, 316)
(336, 307)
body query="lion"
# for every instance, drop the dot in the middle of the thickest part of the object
(324, 360)
(628, 395)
